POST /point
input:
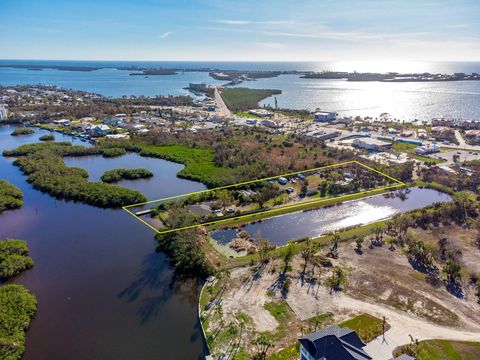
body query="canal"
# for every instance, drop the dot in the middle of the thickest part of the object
(280, 229)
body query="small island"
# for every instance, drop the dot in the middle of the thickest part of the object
(156, 72)
(14, 258)
(11, 197)
(113, 152)
(43, 164)
(22, 131)
(47, 137)
(115, 175)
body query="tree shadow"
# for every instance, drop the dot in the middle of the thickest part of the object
(155, 284)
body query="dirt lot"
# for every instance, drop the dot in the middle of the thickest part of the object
(381, 282)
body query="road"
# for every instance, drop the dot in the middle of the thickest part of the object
(222, 108)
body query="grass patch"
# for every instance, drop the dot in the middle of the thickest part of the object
(248, 115)
(242, 99)
(448, 350)
(282, 313)
(199, 163)
(442, 350)
(366, 326)
(319, 319)
(288, 353)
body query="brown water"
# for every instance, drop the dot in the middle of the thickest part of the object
(103, 291)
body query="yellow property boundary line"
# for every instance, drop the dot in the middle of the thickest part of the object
(398, 183)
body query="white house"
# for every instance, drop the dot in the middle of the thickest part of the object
(62, 122)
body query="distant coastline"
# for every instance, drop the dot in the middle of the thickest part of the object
(238, 76)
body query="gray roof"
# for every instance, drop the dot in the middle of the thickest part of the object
(335, 343)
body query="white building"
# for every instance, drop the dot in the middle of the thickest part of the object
(3, 113)
(324, 116)
(371, 144)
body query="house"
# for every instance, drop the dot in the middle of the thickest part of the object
(443, 132)
(112, 121)
(426, 150)
(371, 144)
(62, 122)
(332, 343)
(271, 124)
(251, 122)
(442, 122)
(100, 130)
(473, 135)
(422, 133)
(324, 116)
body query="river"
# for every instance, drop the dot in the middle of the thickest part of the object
(280, 229)
(103, 291)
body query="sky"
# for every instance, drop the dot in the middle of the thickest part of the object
(241, 30)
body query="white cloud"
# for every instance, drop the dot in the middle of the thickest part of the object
(233, 22)
(165, 35)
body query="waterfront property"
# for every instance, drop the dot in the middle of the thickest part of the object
(324, 116)
(332, 343)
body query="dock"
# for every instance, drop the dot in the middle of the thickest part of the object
(143, 212)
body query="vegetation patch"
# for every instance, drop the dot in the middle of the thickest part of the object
(14, 258)
(47, 137)
(46, 171)
(125, 174)
(22, 131)
(199, 163)
(441, 350)
(242, 99)
(17, 308)
(366, 326)
(11, 197)
(113, 152)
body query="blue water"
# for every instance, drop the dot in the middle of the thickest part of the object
(404, 101)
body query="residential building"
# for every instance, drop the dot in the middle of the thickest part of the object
(271, 124)
(473, 135)
(100, 130)
(333, 343)
(62, 122)
(443, 132)
(441, 122)
(422, 134)
(3, 113)
(324, 116)
(371, 144)
(426, 150)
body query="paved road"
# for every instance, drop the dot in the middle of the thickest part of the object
(222, 108)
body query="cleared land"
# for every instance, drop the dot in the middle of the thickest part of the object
(410, 304)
